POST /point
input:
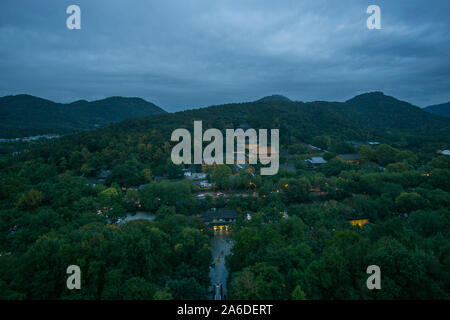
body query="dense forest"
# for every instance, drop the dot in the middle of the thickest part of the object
(25, 115)
(298, 244)
(440, 109)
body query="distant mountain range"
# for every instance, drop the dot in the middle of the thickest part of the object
(366, 114)
(439, 109)
(274, 97)
(26, 115)
(380, 111)
(362, 118)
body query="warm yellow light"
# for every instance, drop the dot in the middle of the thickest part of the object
(359, 222)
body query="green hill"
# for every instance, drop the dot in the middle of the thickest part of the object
(274, 97)
(368, 116)
(70, 200)
(25, 115)
(439, 109)
(364, 117)
(377, 110)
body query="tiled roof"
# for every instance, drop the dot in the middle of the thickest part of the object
(219, 214)
(349, 156)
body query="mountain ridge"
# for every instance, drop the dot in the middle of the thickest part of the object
(372, 111)
(24, 115)
(442, 109)
(274, 97)
(386, 118)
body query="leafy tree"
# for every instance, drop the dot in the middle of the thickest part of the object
(137, 288)
(399, 167)
(295, 190)
(385, 154)
(323, 142)
(257, 282)
(328, 156)
(441, 162)
(408, 202)
(220, 175)
(298, 294)
(30, 200)
(164, 212)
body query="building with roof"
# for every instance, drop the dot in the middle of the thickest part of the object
(314, 162)
(204, 184)
(363, 143)
(349, 157)
(219, 219)
(198, 176)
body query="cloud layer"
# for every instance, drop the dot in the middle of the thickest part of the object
(191, 53)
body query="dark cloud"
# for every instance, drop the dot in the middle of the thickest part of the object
(192, 53)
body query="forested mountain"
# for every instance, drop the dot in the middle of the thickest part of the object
(320, 123)
(439, 109)
(371, 116)
(377, 110)
(25, 115)
(52, 215)
(366, 116)
(274, 97)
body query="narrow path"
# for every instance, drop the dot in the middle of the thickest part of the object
(221, 244)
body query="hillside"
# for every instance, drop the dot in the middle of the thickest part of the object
(274, 97)
(25, 115)
(80, 198)
(439, 109)
(377, 110)
(371, 116)
(365, 117)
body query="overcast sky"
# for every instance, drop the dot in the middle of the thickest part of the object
(184, 54)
